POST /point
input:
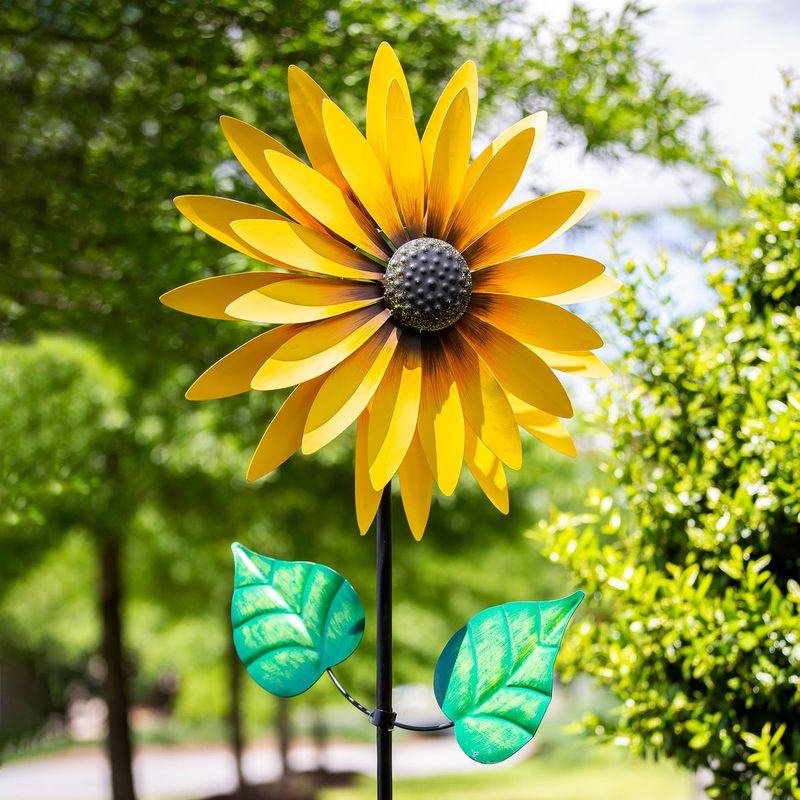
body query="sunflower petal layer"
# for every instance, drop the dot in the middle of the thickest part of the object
(441, 419)
(479, 361)
(517, 369)
(491, 189)
(326, 203)
(233, 373)
(486, 407)
(416, 488)
(297, 299)
(449, 165)
(386, 70)
(367, 497)
(548, 428)
(285, 433)
(536, 322)
(250, 147)
(487, 470)
(210, 297)
(363, 172)
(466, 77)
(537, 276)
(601, 286)
(348, 389)
(318, 347)
(215, 215)
(306, 97)
(528, 225)
(303, 250)
(395, 408)
(407, 173)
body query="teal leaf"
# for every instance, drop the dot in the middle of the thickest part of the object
(494, 678)
(292, 620)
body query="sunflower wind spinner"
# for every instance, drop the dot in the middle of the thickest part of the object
(406, 305)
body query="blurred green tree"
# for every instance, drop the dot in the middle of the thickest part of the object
(693, 553)
(66, 465)
(109, 109)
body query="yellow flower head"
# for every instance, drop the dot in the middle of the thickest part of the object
(413, 312)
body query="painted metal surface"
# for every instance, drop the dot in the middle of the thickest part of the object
(291, 620)
(494, 678)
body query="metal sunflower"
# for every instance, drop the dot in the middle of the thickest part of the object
(414, 312)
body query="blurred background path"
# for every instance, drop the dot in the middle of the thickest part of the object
(179, 772)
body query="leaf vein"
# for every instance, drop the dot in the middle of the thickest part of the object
(271, 651)
(511, 722)
(270, 612)
(323, 639)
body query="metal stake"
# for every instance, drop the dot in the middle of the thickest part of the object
(384, 716)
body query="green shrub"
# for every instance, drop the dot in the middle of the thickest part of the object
(690, 554)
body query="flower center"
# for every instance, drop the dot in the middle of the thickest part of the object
(427, 284)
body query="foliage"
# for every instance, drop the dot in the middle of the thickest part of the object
(117, 104)
(63, 408)
(494, 678)
(692, 554)
(109, 110)
(565, 773)
(597, 76)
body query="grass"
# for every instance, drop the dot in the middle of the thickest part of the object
(585, 772)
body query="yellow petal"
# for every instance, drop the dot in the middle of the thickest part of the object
(326, 203)
(297, 299)
(466, 77)
(449, 166)
(233, 373)
(394, 411)
(406, 168)
(416, 488)
(363, 171)
(367, 498)
(491, 190)
(250, 147)
(487, 470)
(303, 250)
(349, 388)
(486, 408)
(284, 434)
(517, 369)
(530, 224)
(441, 420)
(536, 322)
(214, 215)
(318, 347)
(585, 364)
(210, 297)
(537, 276)
(545, 427)
(386, 69)
(535, 122)
(306, 97)
(601, 286)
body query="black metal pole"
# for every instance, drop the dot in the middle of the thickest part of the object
(383, 679)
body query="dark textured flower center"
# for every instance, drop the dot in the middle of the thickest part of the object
(427, 285)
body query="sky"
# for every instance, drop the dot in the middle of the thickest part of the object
(733, 51)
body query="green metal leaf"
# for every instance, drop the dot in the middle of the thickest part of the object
(291, 620)
(494, 678)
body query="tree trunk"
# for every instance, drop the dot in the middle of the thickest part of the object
(320, 738)
(235, 712)
(119, 735)
(284, 731)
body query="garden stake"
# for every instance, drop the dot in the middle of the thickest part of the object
(416, 316)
